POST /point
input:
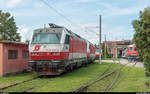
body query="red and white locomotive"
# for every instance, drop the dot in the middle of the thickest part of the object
(55, 50)
(132, 53)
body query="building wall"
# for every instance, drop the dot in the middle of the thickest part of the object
(112, 45)
(14, 65)
(1, 59)
(115, 53)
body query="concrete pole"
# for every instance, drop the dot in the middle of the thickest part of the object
(105, 46)
(100, 52)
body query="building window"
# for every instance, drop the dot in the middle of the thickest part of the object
(12, 54)
(25, 53)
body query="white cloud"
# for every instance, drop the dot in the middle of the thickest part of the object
(118, 33)
(13, 3)
(106, 5)
(109, 10)
(23, 33)
(85, 1)
(113, 32)
(38, 4)
(1, 1)
(123, 11)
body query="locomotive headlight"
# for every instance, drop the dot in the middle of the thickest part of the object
(56, 61)
(133, 52)
(34, 53)
(55, 53)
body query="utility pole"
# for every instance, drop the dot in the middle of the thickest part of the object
(105, 46)
(100, 53)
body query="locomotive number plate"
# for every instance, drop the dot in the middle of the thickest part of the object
(52, 50)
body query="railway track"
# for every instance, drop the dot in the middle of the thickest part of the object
(84, 87)
(117, 81)
(29, 90)
(114, 81)
(102, 76)
(18, 83)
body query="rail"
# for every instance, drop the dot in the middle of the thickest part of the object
(102, 76)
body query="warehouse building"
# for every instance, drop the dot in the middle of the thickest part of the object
(14, 57)
(117, 49)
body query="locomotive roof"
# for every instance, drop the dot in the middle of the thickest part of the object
(76, 35)
(131, 45)
(55, 28)
(44, 30)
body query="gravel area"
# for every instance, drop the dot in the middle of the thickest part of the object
(125, 61)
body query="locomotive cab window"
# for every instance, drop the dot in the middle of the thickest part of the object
(130, 49)
(67, 39)
(46, 38)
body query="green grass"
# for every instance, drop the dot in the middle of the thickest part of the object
(5, 81)
(101, 85)
(133, 82)
(65, 83)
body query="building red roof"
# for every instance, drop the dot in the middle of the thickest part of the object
(12, 42)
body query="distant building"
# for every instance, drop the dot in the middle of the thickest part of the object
(117, 49)
(14, 57)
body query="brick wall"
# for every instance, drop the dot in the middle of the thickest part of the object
(112, 45)
(14, 65)
(1, 59)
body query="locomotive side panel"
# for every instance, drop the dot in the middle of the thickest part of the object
(76, 49)
(52, 54)
(92, 52)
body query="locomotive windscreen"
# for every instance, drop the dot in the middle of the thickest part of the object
(97, 51)
(46, 38)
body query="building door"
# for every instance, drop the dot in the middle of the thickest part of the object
(119, 53)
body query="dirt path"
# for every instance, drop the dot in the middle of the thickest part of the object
(124, 61)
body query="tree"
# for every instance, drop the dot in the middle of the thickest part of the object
(142, 37)
(8, 29)
(103, 51)
(27, 41)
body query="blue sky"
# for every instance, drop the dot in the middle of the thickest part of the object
(117, 16)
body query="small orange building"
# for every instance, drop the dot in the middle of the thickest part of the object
(14, 57)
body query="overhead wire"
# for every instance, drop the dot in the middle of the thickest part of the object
(75, 24)
(67, 18)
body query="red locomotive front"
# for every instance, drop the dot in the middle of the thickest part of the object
(55, 50)
(132, 53)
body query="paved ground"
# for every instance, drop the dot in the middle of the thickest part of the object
(125, 61)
